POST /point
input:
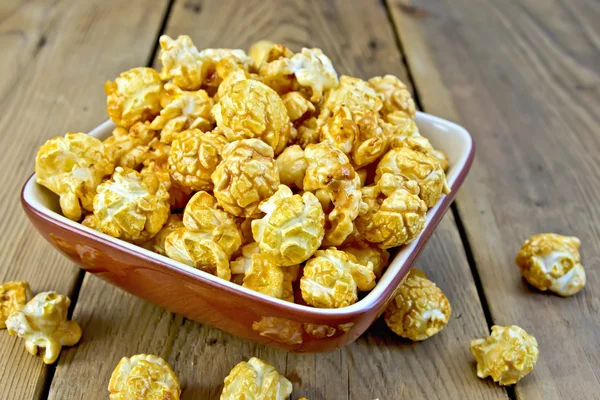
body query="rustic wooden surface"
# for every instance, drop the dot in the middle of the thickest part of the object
(505, 72)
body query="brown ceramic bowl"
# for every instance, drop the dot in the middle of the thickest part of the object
(225, 305)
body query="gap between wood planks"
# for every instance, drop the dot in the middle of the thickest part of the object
(510, 390)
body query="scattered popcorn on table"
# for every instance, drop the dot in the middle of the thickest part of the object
(43, 323)
(13, 297)
(552, 262)
(255, 380)
(143, 376)
(419, 310)
(507, 355)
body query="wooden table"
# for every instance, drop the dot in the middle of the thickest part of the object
(522, 76)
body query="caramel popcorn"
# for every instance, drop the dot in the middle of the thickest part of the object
(196, 249)
(181, 62)
(255, 380)
(366, 254)
(143, 376)
(133, 97)
(552, 262)
(193, 158)
(43, 323)
(72, 167)
(13, 297)
(157, 243)
(292, 166)
(265, 277)
(242, 264)
(394, 94)
(395, 216)
(246, 176)
(422, 168)
(292, 228)
(128, 149)
(306, 133)
(265, 51)
(353, 93)
(419, 310)
(132, 206)
(507, 355)
(297, 106)
(251, 109)
(183, 111)
(201, 215)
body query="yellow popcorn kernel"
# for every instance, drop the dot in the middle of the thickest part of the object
(292, 228)
(43, 323)
(197, 249)
(353, 93)
(183, 111)
(280, 330)
(419, 310)
(13, 297)
(133, 97)
(552, 262)
(157, 243)
(297, 106)
(419, 167)
(201, 215)
(366, 253)
(255, 380)
(265, 51)
(306, 133)
(395, 216)
(211, 59)
(394, 94)
(132, 206)
(252, 110)
(129, 149)
(292, 166)
(507, 355)
(246, 176)
(72, 167)
(265, 277)
(194, 156)
(242, 264)
(143, 376)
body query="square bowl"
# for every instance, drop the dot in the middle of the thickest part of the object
(205, 298)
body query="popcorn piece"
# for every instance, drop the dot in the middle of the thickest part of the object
(265, 51)
(419, 310)
(181, 62)
(193, 158)
(394, 95)
(242, 264)
(265, 277)
(133, 97)
(128, 149)
(292, 166)
(72, 167)
(183, 111)
(245, 227)
(366, 254)
(246, 176)
(419, 167)
(231, 72)
(201, 215)
(329, 170)
(255, 380)
(552, 262)
(251, 109)
(292, 229)
(199, 251)
(157, 243)
(353, 93)
(43, 323)
(507, 355)
(212, 57)
(131, 206)
(297, 106)
(13, 297)
(306, 133)
(143, 376)
(280, 330)
(395, 215)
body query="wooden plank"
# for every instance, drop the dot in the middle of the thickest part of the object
(55, 58)
(523, 77)
(359, 39)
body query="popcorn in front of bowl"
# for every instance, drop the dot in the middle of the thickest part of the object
(292, 228)
(552, 262)
(13, 297)
(246, 176)
(128, 149)
(43, 323)
(133, 97)
(72, 167)
(419, 310)
(132, 206)
(143, 376)
(255, 380)
(507, 355)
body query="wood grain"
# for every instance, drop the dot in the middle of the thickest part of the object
(55, 56)
(358, 37)
(523, 77)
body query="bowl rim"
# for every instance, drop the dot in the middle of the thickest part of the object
(379, 294)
